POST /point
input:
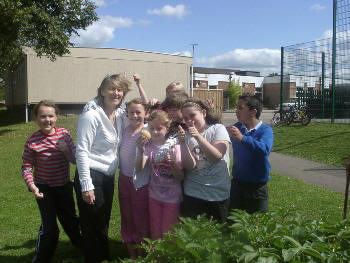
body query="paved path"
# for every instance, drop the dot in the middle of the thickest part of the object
(330, 177)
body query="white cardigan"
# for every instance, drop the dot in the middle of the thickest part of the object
(98, 143)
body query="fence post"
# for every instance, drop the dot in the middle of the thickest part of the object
(346, 189)
(334, 49)
(281, 87)
(322, 84)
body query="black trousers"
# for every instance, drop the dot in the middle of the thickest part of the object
(57, 202)
(95, 218)
(250, 197)
(192, 207)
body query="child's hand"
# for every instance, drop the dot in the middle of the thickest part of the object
(170, 158)
(193, 130)
(235, 133)
(62, 146)
(141, 142)
(36, 192)
(137, 79)
(181, 134)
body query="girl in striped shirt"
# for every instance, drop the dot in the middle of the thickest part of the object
(45, 170)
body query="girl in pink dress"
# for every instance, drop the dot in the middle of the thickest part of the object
(165, 193)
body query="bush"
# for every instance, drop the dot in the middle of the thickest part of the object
(232, 93)
(280, 236)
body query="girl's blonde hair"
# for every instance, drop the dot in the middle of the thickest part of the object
(162, 116)
(175, 84)
(210, 118)
(116, 80)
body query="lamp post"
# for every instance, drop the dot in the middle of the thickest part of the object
(192, 74)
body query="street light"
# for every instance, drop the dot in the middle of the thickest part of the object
(192, 74)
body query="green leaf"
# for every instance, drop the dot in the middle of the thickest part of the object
(289, 254)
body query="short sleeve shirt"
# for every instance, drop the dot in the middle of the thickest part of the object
(209, 181)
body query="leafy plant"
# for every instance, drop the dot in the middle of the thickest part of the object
(232, 93)
(277, 236)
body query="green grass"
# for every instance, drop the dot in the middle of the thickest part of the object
(321, 142)
(19, 215)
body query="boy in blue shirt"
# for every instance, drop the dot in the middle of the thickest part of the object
(252, 142)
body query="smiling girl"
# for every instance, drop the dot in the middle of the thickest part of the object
(205, 158)
(45, 170)
(165, 192)
(133, 196)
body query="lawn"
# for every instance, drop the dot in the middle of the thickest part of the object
(321, 142)
(20, 219)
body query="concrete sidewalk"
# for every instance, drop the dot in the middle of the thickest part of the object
(330, 177)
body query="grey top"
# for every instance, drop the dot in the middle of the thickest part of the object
(208, 180)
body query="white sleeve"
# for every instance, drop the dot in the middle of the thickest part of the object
(87, 127)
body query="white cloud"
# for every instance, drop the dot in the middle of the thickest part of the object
(327, 34)
(264, 60)
(178, 11)
(317, 7)
(99, 3)
(101, 31)
(185, 53)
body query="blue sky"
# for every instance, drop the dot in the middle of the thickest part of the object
(246, 34)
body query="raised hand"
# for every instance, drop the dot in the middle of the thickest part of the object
(181, 134)
(193, 130)
(235, 133)
(137, 78)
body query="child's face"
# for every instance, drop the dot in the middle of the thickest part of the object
(46, 119)
(158, 130)
(175, 114)
(243, 113)
(194, 117)
(136, 114)
(171, 90)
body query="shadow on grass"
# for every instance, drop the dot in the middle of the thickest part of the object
(308, 141)
(3, 132)
(8, 117)
(65, 252)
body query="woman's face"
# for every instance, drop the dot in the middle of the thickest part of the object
(194, 117)
(136, 114)
(112, 96)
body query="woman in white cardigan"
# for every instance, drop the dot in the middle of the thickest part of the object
(97, 154)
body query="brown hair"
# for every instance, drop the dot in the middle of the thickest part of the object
(162, 116)
(253, 102)
(146, 106)
(210, 118)
(116, 80)
(47, 103)
(175, 100)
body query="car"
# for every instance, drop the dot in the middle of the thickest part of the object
(288, 103)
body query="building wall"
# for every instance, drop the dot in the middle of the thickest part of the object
(74, 78)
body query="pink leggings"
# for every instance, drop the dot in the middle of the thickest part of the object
(162, 217)
(133, 210)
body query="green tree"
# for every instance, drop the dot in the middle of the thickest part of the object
(44, 25)
(232, 93)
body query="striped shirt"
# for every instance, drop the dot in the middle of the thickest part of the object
(41, 154)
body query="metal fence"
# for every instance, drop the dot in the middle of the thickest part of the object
(310, 70)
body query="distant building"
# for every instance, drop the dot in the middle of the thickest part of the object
(73, 79)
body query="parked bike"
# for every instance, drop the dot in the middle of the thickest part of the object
(292, 115)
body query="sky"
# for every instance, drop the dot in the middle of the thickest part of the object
(236, 34)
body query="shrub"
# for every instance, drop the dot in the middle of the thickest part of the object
(233, 92)
(279, 236)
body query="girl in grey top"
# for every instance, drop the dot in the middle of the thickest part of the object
(205, 156)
